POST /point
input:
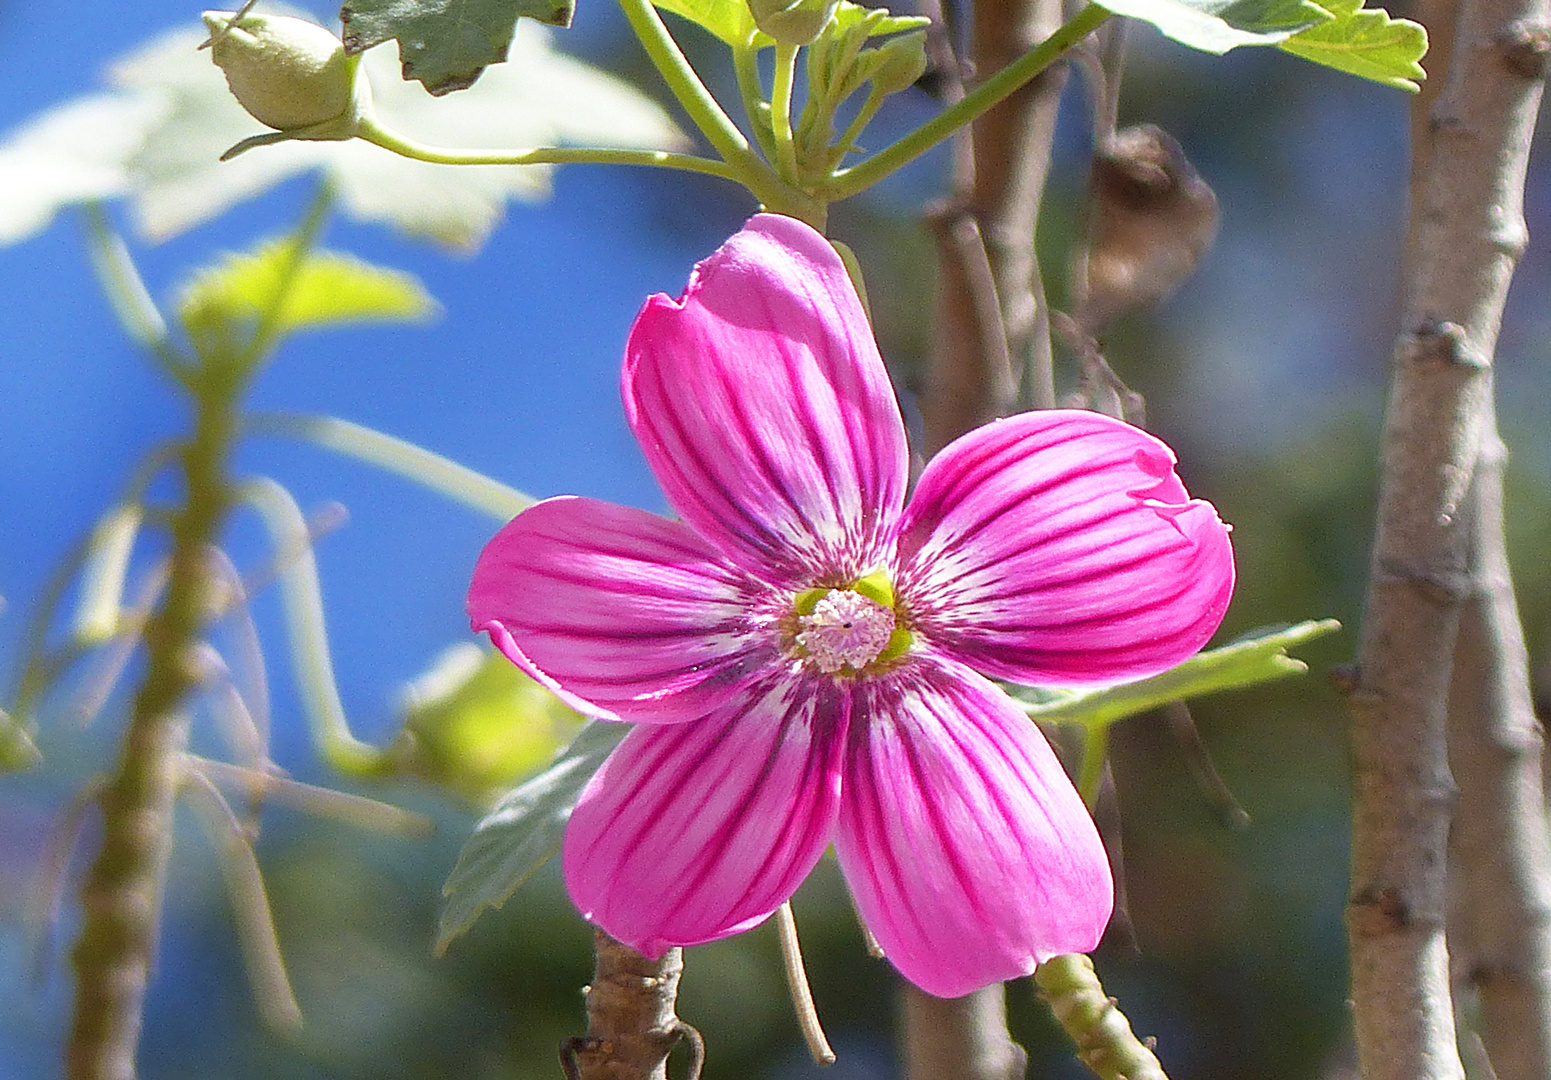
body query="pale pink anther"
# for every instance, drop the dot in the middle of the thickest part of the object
(786, 700)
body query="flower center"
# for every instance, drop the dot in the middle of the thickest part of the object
(845, 630)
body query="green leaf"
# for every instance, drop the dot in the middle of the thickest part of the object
(1215, 26)
(1364, 42)
(329, 288)
(882, 24)
(480, 724)
(728, 20)
(1255, 658)
(445, 44)
(522, 832)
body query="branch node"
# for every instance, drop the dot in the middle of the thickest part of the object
(1525, 45)
(1441, 586)
(1376, 911)
(1438, 341)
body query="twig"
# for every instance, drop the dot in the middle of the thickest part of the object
(631, 1023)
(1500, 896)
(1468, 231)
(963, 1038)
(970, 379)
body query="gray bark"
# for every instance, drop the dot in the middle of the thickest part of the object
(1466, 237)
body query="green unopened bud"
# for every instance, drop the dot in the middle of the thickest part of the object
(290, 74)
(900, 63)
(793, 22)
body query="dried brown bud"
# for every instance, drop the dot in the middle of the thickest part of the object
(1152, 217)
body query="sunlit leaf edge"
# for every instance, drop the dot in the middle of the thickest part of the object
(1258, 657)
(330, 288)
(1404, 45)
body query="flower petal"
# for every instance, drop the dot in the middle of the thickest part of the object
(971, 857)
(764, 409)
(1059, 547)
(693, 832)
(627, 615)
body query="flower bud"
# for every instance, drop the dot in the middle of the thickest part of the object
(900, 63)
(288, 73)
(793, 22)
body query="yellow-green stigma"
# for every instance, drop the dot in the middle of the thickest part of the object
(846, 629)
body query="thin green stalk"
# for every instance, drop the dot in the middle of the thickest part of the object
(748, 169)
(404, 146)
(745, 61)
(302, 599)
(853, 132)
(997, 88)
(781, 110)
(685, 84)
(439, 474)
(125, 289)
(269, 327)
(1095, 749)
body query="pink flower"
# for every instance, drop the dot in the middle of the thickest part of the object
(806, 656)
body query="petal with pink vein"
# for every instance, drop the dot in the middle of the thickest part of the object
(626, 615)
(693, 832)
(969, 853)
(764, 409)
(1059, 547)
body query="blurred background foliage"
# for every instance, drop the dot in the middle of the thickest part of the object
(1265, 372)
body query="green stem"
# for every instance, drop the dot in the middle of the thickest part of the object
(439, 474)
(745, 59)
(1095, 749)
(302, 599)
(1105, 1042)
(686, 86)
(759, 178)
(121, 896)
(781, 110)
(863, 117)
(997, 88)
(125, 289)
(374, 132)
(272, 322)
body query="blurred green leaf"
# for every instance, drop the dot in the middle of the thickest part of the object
(1215, 26)
(157, 141)
(445, 44)
(17, 750)
(327, 289)
(522, 832)
(479, 723)
(74, 152)
(1258, 657)
(1364, 42)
